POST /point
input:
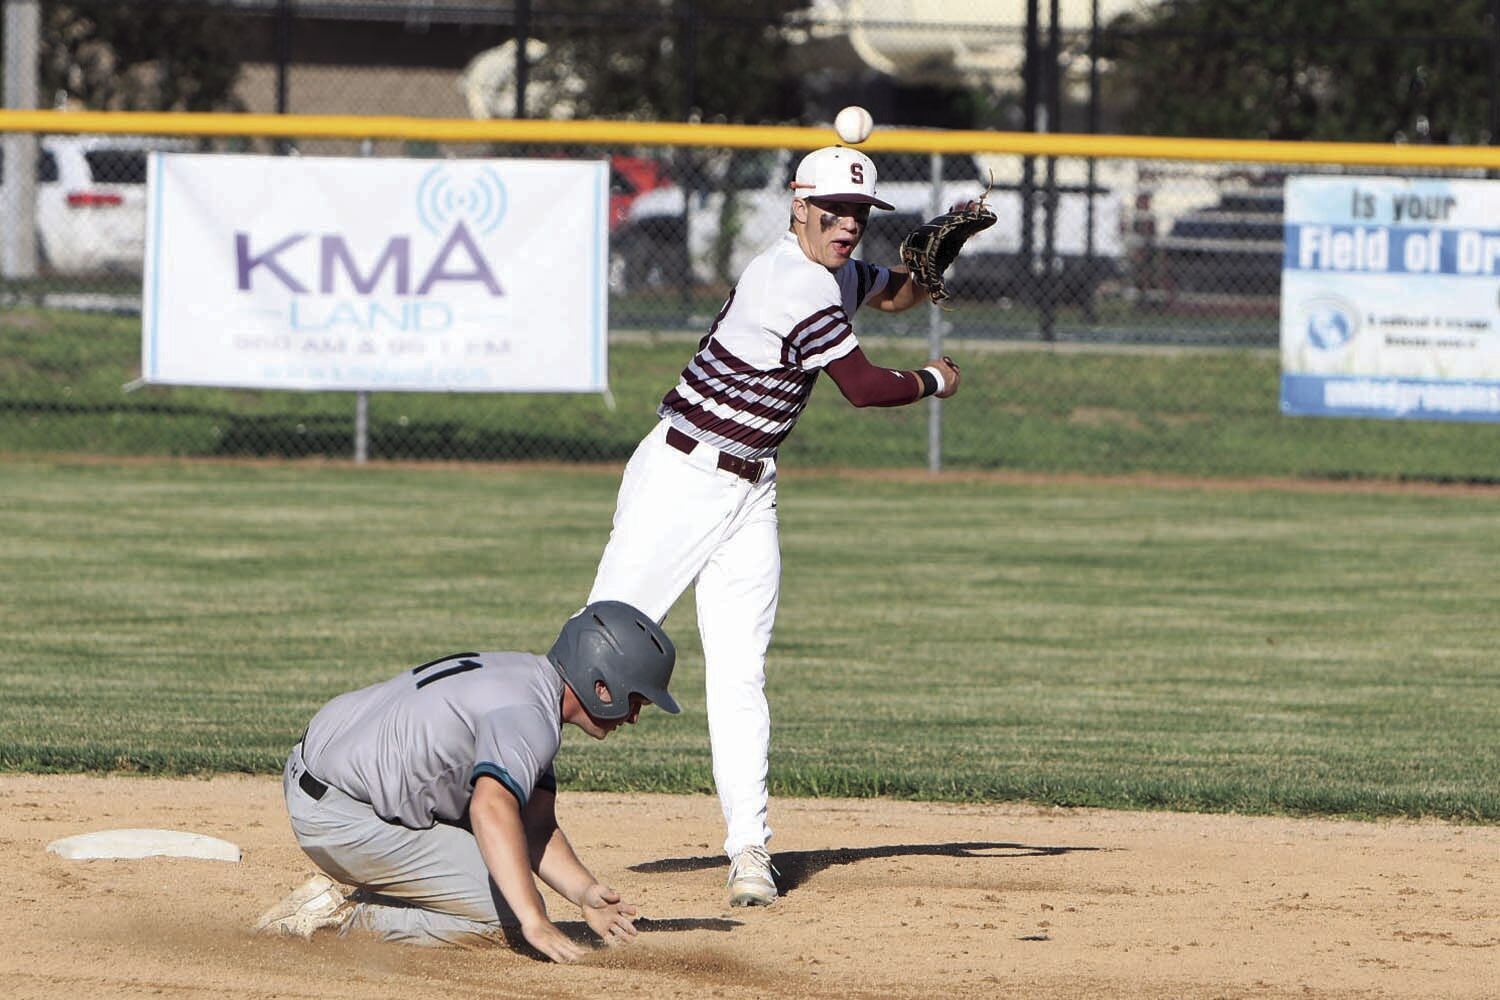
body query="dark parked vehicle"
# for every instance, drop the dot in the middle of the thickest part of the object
(1233, 247)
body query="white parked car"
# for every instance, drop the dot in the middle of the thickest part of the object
(91, 201)
(708, 232)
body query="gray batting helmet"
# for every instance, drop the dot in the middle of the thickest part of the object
(611, 641)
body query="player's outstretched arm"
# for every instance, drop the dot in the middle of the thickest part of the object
(501, 833)
(561, 868)
(866, 384)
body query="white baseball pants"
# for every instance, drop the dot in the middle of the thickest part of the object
(680, 520)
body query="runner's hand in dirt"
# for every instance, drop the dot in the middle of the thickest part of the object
(544, 936)
(609, 918)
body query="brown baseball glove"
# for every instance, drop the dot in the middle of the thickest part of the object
(928, 250)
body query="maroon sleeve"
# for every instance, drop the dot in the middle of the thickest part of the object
(864, 384)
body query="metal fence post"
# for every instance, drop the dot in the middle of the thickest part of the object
(523, 65)
(22, 30)
(1051, 122)
(1494, 109)
(935, 335)
(362, 396)
(361, 427)
(283, 43)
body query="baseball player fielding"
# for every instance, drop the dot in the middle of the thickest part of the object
(853, 124)
(697, 502)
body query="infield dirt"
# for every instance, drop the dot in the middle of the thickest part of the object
(882, 899)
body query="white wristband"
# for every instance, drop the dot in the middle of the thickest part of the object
(942, 382)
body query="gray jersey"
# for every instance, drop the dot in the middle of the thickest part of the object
(413, 746)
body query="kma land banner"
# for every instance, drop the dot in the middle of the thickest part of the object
(368, 274)
(1390, 298)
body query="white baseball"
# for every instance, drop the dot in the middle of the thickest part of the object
(853, 124)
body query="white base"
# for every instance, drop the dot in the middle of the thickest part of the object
(144, 844)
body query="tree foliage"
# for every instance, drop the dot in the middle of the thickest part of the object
(1365, 70)
(719, 60)
(112, 56)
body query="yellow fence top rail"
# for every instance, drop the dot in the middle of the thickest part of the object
(740, 136)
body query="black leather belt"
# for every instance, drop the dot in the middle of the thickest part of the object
(312, 786)
(748, 469)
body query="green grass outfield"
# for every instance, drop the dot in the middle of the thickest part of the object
(1113, 644)
(1099, 410)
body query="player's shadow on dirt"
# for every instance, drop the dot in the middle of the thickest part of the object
(796, 867)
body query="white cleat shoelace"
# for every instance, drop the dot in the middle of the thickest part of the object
(752, 879)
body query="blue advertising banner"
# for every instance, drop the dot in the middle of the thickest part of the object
(1390, 298)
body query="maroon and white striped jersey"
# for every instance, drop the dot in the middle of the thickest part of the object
(754, 371)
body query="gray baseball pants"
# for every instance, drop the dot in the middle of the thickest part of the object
(427, 887)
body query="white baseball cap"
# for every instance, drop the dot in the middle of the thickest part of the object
(838, 173)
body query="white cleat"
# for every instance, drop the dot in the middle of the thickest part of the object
(317, 903)
(752, 878)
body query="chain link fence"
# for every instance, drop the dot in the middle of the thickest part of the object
(1122, 315)
(1128, 322)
